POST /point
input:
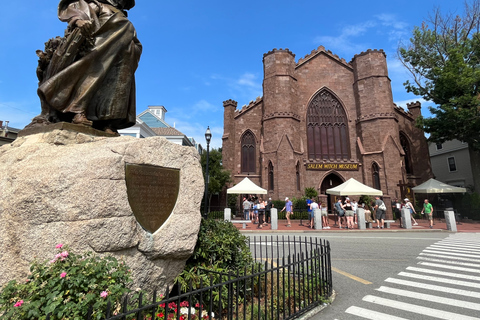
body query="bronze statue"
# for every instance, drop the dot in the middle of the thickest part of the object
(87, 77)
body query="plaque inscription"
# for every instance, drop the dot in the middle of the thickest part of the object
(152, 193)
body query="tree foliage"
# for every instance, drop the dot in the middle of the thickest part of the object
(219, 177)
(443, 57)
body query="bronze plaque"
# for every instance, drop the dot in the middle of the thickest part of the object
(152, 193)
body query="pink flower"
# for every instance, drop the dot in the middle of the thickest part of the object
(104, 294)
(58, 246)
(18, 304)
(64, 254)
(63, 275)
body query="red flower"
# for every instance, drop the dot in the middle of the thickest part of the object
(160, 315)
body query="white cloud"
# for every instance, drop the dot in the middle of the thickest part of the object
(345, 42)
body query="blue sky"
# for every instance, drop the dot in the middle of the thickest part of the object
(197, 54)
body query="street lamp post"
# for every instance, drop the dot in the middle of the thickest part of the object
(208, 137)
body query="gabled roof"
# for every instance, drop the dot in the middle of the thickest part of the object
(328, 53)
(150, 118)
(167, 132)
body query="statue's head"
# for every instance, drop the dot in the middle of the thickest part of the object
(121, 4)
(128, 4)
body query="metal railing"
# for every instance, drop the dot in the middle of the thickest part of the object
(292, 276)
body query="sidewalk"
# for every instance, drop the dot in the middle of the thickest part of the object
(301, 226)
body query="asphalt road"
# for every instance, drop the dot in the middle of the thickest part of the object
(364, 264)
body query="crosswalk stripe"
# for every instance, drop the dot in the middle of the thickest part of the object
(461, 243)
(431, 298)
(443, 273)
(457, 246)
(447, 256)
(455, 250)
(370, 314)
(437, 265)
(475, 265)
(440, 314)
(453, 253)
(426, 286)
(442, 280)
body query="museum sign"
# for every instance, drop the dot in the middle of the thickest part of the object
(333, 166)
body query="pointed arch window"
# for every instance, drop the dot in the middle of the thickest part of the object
(376, 176)
(271, 178)
(248, 152)
(298, 176)
(327, 132)
(406, 148)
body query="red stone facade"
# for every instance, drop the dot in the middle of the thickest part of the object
(321, 121)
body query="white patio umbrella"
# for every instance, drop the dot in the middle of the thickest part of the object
(435, 186)
(246, 186)
(352, 187)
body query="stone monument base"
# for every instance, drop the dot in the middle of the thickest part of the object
(68, 186)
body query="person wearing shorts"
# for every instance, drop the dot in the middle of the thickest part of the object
(324, 217)
(428, 208)
(289, 212)
(313, 206)
(379, 213)
(349, 213)
(340, 212)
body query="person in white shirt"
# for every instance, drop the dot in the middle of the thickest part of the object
(313, 206)
(355, 207)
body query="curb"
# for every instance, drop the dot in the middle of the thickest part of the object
(319, 308)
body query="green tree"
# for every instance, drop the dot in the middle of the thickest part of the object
(219, 177)
(443, 57)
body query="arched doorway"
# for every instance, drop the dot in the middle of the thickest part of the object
(330, 181)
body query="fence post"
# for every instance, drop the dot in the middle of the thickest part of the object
(317, 219)
(274, 218)
(227, 214)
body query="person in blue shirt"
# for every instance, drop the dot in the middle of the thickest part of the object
(309, 210)
(288, 207)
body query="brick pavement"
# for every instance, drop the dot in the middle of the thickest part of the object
(301, 226)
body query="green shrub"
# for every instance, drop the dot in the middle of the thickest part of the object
(311, 192)
(65, 287)
(220, 243)
(220, 249)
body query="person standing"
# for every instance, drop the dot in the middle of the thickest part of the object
(428, 209)
(313, 206)
(289, 207)
(380, 209)
(246, 209)
(324, 216)
(340, 212)
(309, 211)
(355, 207)
(349, 213)
(268, 208)
(410, 207)
(261, 212)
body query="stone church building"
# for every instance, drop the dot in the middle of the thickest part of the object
(321, 121)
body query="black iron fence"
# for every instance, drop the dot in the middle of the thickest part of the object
(292, 276)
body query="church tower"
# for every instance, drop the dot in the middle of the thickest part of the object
(280, 119)
(377, 123)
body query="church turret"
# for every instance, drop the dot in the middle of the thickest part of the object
(228, 140)
(280, 96)
(374, 101)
